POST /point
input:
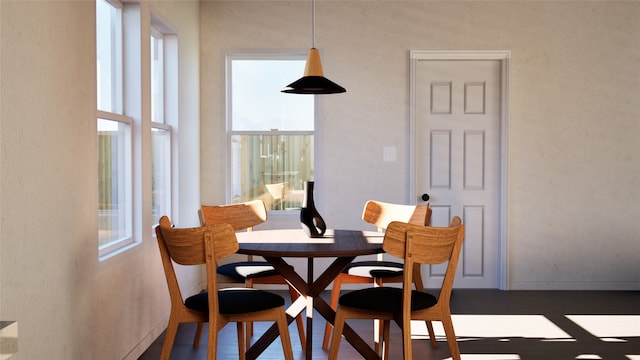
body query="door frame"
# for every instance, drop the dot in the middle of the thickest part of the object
(504, 56)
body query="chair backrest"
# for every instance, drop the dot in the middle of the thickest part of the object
(187, 246)
(242, 216)
(431, 245)
(381, 214)
(426, 245)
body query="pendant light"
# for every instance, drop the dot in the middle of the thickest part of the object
(313, 80)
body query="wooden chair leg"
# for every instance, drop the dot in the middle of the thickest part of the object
(249, 325)
(335, 295)
(386, 324)
(248, 332)
(338, 327)
(285, 339)
(451, 337)
(196, 339)
(299, 322)
(242, 348)
(406, 339)
(432, 335)
(212, 346)
(169, 339)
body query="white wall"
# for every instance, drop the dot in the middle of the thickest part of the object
(68, 304)
(574, 179)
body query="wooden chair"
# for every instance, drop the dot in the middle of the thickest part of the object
(378, 271)
(244, 216)
(415, 244)
(206, 245)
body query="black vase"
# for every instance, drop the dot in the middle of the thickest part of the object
(312, 223)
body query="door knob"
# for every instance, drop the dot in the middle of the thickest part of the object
(425, 197)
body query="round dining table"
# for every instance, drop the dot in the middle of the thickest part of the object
(275, 246)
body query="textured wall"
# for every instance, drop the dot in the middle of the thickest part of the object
(68, 304)
(573, 127)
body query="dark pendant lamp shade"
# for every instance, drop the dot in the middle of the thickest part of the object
(313, 81)
(313, 85)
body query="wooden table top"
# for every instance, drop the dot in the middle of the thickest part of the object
(295, 243)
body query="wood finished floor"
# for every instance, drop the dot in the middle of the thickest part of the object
(489, 324)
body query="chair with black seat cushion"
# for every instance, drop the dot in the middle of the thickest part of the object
(415, 244)
(243, 217)
(379, 272)
(205, 245)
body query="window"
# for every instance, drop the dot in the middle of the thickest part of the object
(270, 134)
(160, 131)
(129, 136)
(157, 76)
(114, 184)
(161, 172)
(114, 134)
(109, 56)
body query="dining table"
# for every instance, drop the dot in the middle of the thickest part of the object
(276, 246)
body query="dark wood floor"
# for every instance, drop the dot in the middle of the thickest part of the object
(489, 324)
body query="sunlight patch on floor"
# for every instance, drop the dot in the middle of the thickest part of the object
(496, 326)
(609, 327)
(488, 357)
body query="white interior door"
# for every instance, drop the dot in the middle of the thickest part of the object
(457, 112)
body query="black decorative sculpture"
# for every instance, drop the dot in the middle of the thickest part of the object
(312, 223)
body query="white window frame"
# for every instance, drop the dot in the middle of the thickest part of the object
(270, 55)
(115, 114)
(133, 110)
(168, 110)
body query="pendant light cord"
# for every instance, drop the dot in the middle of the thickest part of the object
(313, 23)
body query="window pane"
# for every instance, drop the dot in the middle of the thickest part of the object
(157, 78)
(114, 182)
(272, 168)
(161, 173)
(109, 57)
(256, 100)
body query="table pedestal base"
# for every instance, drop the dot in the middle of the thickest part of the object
(310, 299)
